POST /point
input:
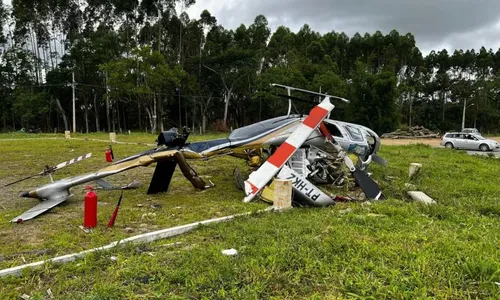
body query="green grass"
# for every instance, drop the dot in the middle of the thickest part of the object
(393, 249)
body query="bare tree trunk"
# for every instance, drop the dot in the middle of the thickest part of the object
(63, 114)
(34, 53)
(86, 114)
(186, 113)
(124, 119)
(113, 119)
(139, 114)
(96, 112)
(159, 107)
(108, 117)
(55, 49)
(227, 97)
(204, 122)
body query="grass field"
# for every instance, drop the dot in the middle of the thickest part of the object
(392, 249)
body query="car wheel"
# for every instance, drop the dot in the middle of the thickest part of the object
(449, 145)
(484, 147)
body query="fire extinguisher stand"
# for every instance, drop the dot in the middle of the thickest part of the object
(90, 208)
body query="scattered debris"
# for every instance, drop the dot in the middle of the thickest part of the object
(139, 205)
(86, 230)
(171, 244)
(143, 225)
(149, 216)
(421, 197)
(230, 252)
(49, 292)
(411, 132)
(345, 211)
(113, 258)
(410, 186)
(129, 230)
(155, 206)
(375, 215)
(25, 297)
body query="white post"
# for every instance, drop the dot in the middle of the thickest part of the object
(112, 137)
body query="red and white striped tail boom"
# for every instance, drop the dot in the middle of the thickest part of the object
(258, 179)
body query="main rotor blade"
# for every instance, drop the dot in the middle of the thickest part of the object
(297, 98)
(52, 169)
(72, 161)
(23, 179)
(308, 92)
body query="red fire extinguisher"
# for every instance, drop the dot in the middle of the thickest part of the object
(90, 209)
(109, 155)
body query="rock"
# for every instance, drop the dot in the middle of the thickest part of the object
(129, 230)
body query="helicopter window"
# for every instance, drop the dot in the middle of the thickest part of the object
(354, 132)
(333, 129)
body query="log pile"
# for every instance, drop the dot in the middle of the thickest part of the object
(412, 133)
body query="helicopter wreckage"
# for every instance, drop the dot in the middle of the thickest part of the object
(311, 150)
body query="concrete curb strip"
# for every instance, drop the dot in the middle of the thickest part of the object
(142, 238)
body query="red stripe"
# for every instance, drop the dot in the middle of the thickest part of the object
(281, 155)
(315, 116)
(254, 188)
(324, 131)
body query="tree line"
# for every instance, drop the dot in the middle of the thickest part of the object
(148, 66)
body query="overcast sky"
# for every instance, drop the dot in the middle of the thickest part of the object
(436, 24)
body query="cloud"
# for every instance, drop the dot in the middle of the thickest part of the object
(436, 24)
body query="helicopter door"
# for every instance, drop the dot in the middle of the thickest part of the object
(338, 134)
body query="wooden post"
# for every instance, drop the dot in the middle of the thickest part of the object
(282, 193)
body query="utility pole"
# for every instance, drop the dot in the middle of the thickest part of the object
(74, 112)
(463, 116)
(107, 104)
